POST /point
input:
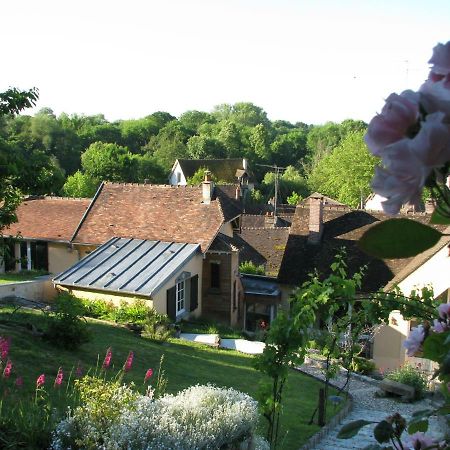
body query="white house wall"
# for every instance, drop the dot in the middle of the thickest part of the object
(176, 174)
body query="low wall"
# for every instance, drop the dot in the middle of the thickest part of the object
(38, 290)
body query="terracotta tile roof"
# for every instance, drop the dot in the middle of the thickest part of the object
(342, 228)
(151, 212)
(223, 169)
(263, 246)
(48, 218)
(227, 195)
(259, 221)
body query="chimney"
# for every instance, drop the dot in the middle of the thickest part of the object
(238, 194)
(207, 188)
(315, 219)
(269, 220)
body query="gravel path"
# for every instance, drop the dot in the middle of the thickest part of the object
(368, 407)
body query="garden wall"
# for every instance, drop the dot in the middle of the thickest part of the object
(38, 290)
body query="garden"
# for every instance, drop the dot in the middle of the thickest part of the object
(52, 360)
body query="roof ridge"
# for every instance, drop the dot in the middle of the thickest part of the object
(265, 228)
(159, 186)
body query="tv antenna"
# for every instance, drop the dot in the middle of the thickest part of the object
(276, 170)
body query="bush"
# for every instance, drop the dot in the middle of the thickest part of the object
(362, 365)
(156, 326)
(136, 312)
(251, 268)
(410, 376)
(99, 309)
(66, 326)
(113, 417)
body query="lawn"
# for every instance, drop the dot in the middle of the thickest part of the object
(185, 364)
(25, 275)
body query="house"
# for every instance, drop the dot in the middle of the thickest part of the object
(41, 237)
(169, 245)
(430, 268)
(232, 171)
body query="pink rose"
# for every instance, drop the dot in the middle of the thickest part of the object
(440, 61)
(401, 180)
(419, 441)
(439, 327)
(432, 144)
(444, 310)
(435, 95)
(398, 119)
(414, 340)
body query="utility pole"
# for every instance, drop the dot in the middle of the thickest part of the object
(277, 171)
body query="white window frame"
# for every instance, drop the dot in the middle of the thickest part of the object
(180, 297)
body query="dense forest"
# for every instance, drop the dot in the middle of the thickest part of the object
(70, 154)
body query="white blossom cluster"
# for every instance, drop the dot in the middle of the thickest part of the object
(200, 417)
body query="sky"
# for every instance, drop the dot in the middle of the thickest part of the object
(308, 61)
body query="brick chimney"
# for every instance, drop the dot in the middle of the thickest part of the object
(315, 219)
(207, 188)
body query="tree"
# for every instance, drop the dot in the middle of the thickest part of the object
(345, 174)
(80, 185)
(109, 162)
(12, 101)
(289, 149)
(203, 147)
(290, 181)
(199, 177)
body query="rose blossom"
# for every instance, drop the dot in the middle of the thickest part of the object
(107, 360)
(439, 327)
(414, 340)
(418, 441)
(444, 310)
(440, 61)
(398, 119)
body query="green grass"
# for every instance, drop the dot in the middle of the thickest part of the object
(206, 327)
(25, 275)
(185, 364)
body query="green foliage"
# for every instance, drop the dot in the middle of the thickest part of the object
(351, 429)
(13, 100)
(290, 181)
(99, 309)
(362, 365)
(410, 376)
(346, 172)
(199, 177)
(66, 326)
(250, 268)
(294, 199)
(80, 185)
(134, 312)
(398, 238)
(156, 326)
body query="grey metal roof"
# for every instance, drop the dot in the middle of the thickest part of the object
(131, 266)
(260, 285)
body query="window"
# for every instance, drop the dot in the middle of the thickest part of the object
(215, 275)
(180, 297)
(178, 177)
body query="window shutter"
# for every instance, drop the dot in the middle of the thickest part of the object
(171, 304)
(194, 293)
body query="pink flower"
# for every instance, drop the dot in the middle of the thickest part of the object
(59, 378)
(439, 327)
(398, 120)
(40, 381)
(444, 311)
(440, 61)
(128, 362)
(414, 340)
(4, 347)
(419, 441)
(7, 370)
(107, 360)
(19, 382)
(148, 375)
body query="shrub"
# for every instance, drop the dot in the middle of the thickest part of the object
(362, 365)
(66, 326)
(156, 326)
(102, 403)
(251, 268)
(135, 312)
(410, 376)
(99, 309)
(113, 417)
(205, 417)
